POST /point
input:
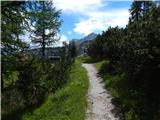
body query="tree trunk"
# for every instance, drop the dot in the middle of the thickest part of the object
(43, 47)
(43, 38)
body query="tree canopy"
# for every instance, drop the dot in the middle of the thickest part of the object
(134, 53)
(45, 21)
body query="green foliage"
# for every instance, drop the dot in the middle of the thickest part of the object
(32, 81)
(112, 46)
(10, 77)
(72, 49)
(94, 49)
(107, 45)
(132, 74)
(12, 28)
(100, 64)
(67, 103)
(131, 115)
(139, 9)
(27, 80)
(45, 21)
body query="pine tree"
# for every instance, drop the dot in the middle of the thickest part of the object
(72, 49)
(45, 22)
(136, 10)
(139, 9)
(12, 26)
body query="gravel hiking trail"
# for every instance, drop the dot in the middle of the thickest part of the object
(99, 101)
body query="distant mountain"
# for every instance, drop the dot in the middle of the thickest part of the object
(84, 42)
(89, 37)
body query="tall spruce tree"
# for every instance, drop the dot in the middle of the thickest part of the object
(139, 9)
(45, 22)
(12, 19)
(136, 10)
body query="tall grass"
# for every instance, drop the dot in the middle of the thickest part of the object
(67, 103)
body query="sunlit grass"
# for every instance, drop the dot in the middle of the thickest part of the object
(67, 103)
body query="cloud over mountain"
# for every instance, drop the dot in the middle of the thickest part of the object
(100, 21)
(93, 15)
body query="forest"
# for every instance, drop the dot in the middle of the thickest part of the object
(128, 60)
(133, 54)
(26, 79)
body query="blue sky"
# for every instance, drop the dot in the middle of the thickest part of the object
(81, 17)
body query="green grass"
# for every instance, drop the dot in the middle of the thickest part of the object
(67, 103)
(110, 80)
(87, 59)
(118, 88)
(99, 64)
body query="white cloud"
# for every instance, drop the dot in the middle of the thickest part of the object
(92, 17)
(25, 37)
(100, 21)
(74, 6)
(69, 32)
(63, 39)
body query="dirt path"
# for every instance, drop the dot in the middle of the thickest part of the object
(99, 100)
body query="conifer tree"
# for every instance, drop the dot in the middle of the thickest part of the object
(45, 23)
(12, 26)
